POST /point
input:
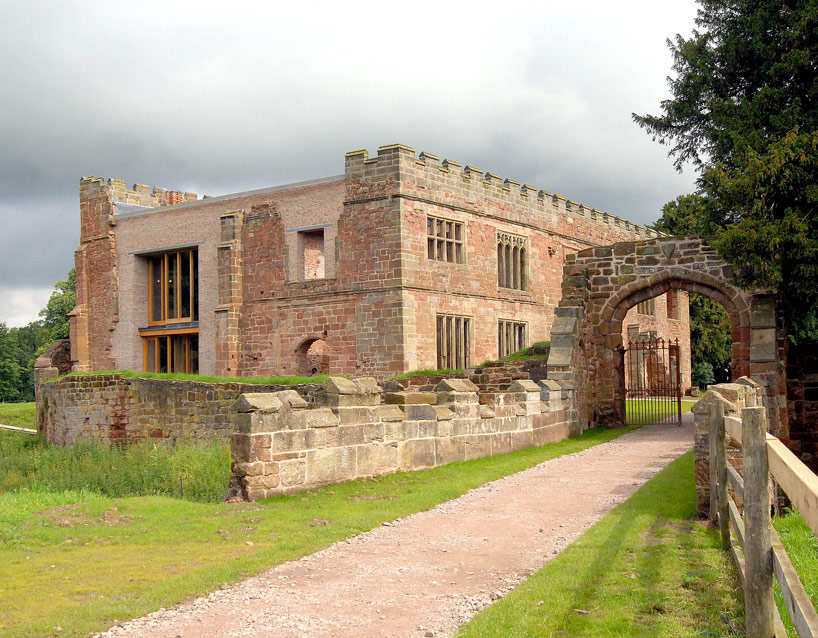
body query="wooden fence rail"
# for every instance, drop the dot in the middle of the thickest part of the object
(761, 556)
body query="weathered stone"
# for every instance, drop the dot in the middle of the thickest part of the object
(340, 385)
(257, 402)
(420, 412)
(331, 465)
(292, 473)
(416, 454)
(376, 459)
(524, 385)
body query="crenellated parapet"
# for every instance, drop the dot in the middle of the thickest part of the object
(137, 195)
(396, 165)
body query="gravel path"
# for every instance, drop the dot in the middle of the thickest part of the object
(428, 573)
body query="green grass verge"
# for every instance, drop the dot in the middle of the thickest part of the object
(802, 548)
(21, 415)
(647, 569)
(201, 378)
(520, 355)
(80, 560)
(199, 470)
(642, 412)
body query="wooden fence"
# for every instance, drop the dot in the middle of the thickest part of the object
(762, 556)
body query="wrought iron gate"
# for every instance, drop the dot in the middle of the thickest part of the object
(653, 388)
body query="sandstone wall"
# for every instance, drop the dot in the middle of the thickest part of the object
(355, 430)
(113, 408)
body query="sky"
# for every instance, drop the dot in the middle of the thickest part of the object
(217, 98)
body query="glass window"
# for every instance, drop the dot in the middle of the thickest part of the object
(444, 240)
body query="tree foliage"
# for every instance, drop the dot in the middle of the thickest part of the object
(20, 347)
(744, 112)
(710, 331)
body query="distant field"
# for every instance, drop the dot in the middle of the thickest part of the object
(20, 415)
(641, 412)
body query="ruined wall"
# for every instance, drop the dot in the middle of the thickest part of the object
(356, 430)
(113, 408)
(802, 402)
(744, 393)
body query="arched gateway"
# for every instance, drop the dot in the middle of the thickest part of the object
(601, 284)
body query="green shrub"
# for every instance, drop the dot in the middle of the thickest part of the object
(703, 374)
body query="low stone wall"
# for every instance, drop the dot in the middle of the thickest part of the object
(113, 408)
(744, 393)
(355, 430)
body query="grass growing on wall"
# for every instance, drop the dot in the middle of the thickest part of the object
(199, 470)
(79, 560)
(647, 569)
(201, 378)
(20, 415)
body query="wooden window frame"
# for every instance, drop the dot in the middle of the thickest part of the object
(150, 339)
(193, 274)
(445, 240)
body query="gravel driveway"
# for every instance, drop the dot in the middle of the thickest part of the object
(428, 573)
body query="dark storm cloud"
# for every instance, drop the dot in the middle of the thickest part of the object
(218, 98)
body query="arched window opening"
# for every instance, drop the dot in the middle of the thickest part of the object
(501, 266)
(512, 255)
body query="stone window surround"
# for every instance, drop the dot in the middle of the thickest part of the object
(453, 338)
(512, 250)
(511, 336)
(293, 273)
(435, 241)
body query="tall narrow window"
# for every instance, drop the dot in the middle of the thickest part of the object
(173, 301)
(647, 307)
(311, 245)
(453, 342)
(444, 240)
(672, 304)
(512, 262)
(173, 294)
(512, 336)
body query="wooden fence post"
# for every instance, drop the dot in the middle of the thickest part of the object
(714, 461)
(758, 588)
(721, 455)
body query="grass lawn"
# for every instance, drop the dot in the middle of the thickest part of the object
(21, 415)
(647, 569)
(641, 412)
(802, 548)
(82, 561)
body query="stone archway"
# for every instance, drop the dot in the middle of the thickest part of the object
(313, 357)
(601, 284)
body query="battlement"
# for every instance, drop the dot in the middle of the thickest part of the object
(137, 195)
(398, 162)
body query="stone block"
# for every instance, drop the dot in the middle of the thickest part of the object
(762, 313)
(388, 413)
(369, 385)
(321, 437)
(420, 412)
(304, 419)
(477, 446)
(377, 458)
(292, 473)
(443, 413)
(486, 412)
(340, 385)
(521, 439)
(562, 356)
(501, 443)
(257, 402)
(426, 428)
(762, 344)
(416, 454)
(374, 431)
(290, 441)
(409, 398)
(291, 399)
(248, 448)
(351, 434)
(524, 385)
(331, 465)
(400, 430)
(357, 414)
(456, 385)
(563, 326)
(450, 449)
